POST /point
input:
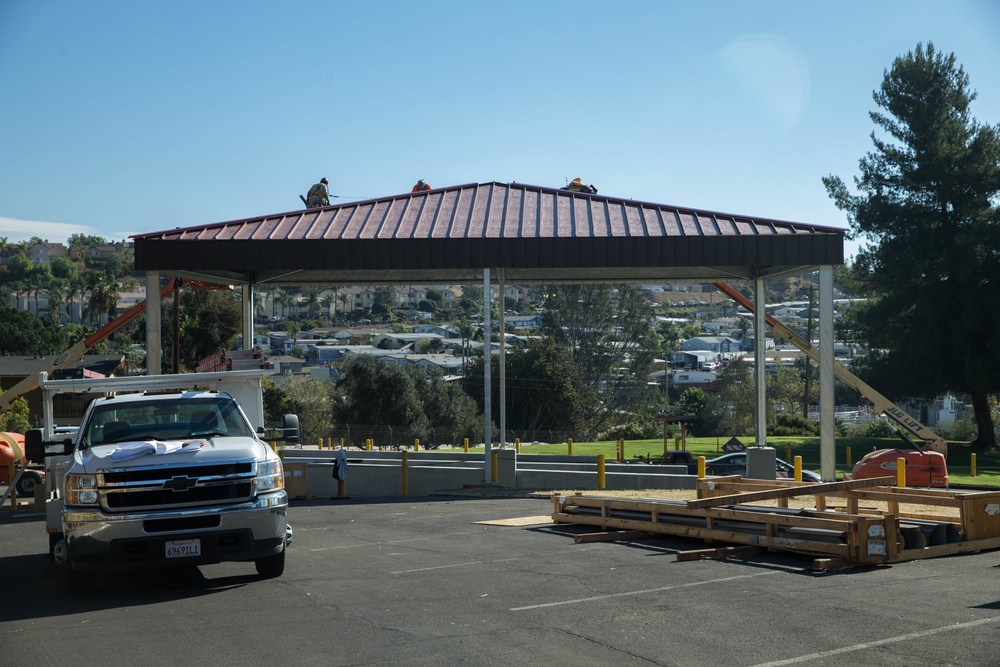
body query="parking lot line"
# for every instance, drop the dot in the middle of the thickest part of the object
(880, 642)
(644, 591)
(443, 567)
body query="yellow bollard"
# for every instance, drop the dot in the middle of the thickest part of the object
(321, 443)
(416, 444)
(972, 465)
(569, 446)
(600, 472)
(701, 467)
(403, 473)
(901, 472)
(517, 445)
(848, 457)
(341, 443)
(798, 468)
(788, 451)
(494, 461)
(274, 446)
(465, 444)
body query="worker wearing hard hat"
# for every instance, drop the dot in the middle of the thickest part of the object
(576, 185)
(421, 185)
(319, 194)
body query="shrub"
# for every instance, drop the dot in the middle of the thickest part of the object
(790, 424)
(875, 429)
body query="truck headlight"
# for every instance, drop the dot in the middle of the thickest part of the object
(270, 476)
(81, 490)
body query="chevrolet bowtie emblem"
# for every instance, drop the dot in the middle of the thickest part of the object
(180, 483)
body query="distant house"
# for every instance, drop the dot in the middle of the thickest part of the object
(524, 321)
(718, 344)
(287, 365)
(44, 253)
(446, 332)
(684, 380)
(399, 341)
(695, 359)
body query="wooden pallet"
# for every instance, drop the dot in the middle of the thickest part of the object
(843, 536)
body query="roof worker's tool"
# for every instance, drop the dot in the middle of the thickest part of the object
(576, 185)
(319, 195)
(421, 185)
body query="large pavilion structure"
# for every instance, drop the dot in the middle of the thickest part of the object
(503, 232)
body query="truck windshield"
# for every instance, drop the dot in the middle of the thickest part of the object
(127, 421)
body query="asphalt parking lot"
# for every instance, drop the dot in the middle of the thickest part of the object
(419, 582)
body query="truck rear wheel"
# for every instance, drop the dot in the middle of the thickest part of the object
(270, 567)
(26, 485)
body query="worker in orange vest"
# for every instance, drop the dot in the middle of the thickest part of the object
(421, 185)
(576, 185)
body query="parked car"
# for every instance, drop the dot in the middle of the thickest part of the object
(736, 464)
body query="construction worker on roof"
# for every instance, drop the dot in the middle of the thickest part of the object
(319, 194)
(576, 185)
(421, 185)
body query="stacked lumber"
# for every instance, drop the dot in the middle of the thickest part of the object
(850, 534)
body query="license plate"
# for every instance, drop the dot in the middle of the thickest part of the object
(183, 548)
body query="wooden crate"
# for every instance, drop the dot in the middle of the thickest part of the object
(295, 479)
(847, 535)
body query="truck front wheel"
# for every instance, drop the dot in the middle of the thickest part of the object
(270, 567)
(80, 583)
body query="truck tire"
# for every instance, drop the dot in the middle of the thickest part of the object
(270, 567)
(26, 485)
(54, 539)
(79, 583)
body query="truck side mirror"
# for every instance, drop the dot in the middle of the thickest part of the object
(290, 428)
(34, 447)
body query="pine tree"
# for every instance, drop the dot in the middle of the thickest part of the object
(928, 221)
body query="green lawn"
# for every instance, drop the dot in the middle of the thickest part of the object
(959, 459)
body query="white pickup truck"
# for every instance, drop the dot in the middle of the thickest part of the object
(164, 470)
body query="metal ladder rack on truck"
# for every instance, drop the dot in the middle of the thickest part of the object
(165, 470)
(926, 466)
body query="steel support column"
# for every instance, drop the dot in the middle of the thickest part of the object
(154, 346)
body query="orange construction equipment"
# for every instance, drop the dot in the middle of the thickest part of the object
(74, 353)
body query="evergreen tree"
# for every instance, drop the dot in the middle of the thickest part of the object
(928, 219)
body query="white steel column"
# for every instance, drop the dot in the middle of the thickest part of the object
(248, 291)
(487, 376)
(503, 363)
(153, 343)
(827, 427)
(759, 362)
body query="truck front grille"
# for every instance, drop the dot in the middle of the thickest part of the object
(141, 489)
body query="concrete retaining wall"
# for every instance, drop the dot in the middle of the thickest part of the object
(379, 474)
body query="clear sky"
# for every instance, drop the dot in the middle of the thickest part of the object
(121, 117)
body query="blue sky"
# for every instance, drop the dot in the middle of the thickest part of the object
(123, 117)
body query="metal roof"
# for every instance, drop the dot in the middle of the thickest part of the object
(535, 234)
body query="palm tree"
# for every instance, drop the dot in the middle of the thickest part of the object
(344, 298)
(330, 299)
(466, 330)
(103, 297)
(312, 301)
(286, 299)
(54, 304)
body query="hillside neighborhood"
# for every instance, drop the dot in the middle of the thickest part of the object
(313, 332)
